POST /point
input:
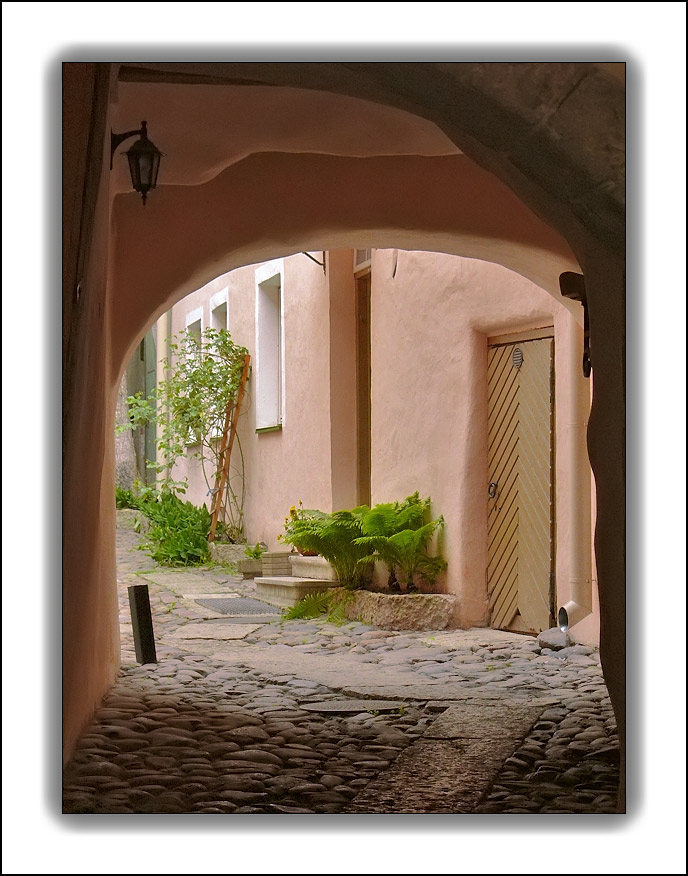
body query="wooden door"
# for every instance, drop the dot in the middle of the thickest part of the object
(520, 491)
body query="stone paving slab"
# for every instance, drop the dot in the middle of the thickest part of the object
(331, 670)
(348, 707)
(449, 774)
(432, 689)
(419, 780)
(476, 638)
(476, 719)
(213, 631)
(175, 577)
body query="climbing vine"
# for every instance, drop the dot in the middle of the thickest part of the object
(189, 406)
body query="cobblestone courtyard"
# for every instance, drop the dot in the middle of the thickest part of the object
(259, 715)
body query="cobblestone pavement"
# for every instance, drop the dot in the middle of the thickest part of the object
(250, 715)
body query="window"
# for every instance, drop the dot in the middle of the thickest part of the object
(194, 324)
(362, 259)
(269, 347)
(219, 316)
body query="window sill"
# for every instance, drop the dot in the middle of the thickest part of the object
(277, 428)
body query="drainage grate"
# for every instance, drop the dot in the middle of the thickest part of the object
(239, 606)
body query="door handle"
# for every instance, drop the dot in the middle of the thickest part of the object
(492, 490)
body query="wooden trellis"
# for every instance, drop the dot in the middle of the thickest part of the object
(228, 434)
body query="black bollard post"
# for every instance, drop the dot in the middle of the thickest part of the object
(142, 622)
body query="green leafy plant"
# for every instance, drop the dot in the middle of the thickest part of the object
(255, 553)
(178, 535)
(387, 519)
(405, 551)
(329, 603)
(125, 498)
(293, 526)
(189, 408)
(333, 536)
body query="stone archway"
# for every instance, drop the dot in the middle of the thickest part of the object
(520, 124)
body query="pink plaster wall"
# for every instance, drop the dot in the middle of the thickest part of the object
(90, 639)
(291, 120)
(293, 464)
(430, 329)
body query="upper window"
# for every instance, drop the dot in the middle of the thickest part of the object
(269, 347)
(194, 324)
(219, 316)
(362, 259)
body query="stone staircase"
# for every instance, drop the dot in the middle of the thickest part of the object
(308, 575)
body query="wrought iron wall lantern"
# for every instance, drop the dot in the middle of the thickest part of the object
(144, 159)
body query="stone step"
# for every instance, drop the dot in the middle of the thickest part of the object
(312, 567)
(286, 590)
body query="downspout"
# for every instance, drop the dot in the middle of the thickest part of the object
(579, 605)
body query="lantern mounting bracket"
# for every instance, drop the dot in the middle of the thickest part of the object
(117, 139)
(572, 286)
(321, 264)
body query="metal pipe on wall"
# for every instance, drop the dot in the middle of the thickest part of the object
(579, 604)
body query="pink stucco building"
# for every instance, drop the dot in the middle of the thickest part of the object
(387, 371)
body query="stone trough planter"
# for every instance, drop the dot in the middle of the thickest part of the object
(227, 553)
(129, 518)
(408, 611)
(249, 568)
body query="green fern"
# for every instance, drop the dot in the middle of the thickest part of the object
(333, 537)
(312, 605)
(406, 551)
(331, 603)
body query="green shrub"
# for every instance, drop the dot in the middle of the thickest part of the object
(178, 535)
(125, 499)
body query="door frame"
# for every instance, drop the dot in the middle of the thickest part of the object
(363, 290)
(520, 337)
